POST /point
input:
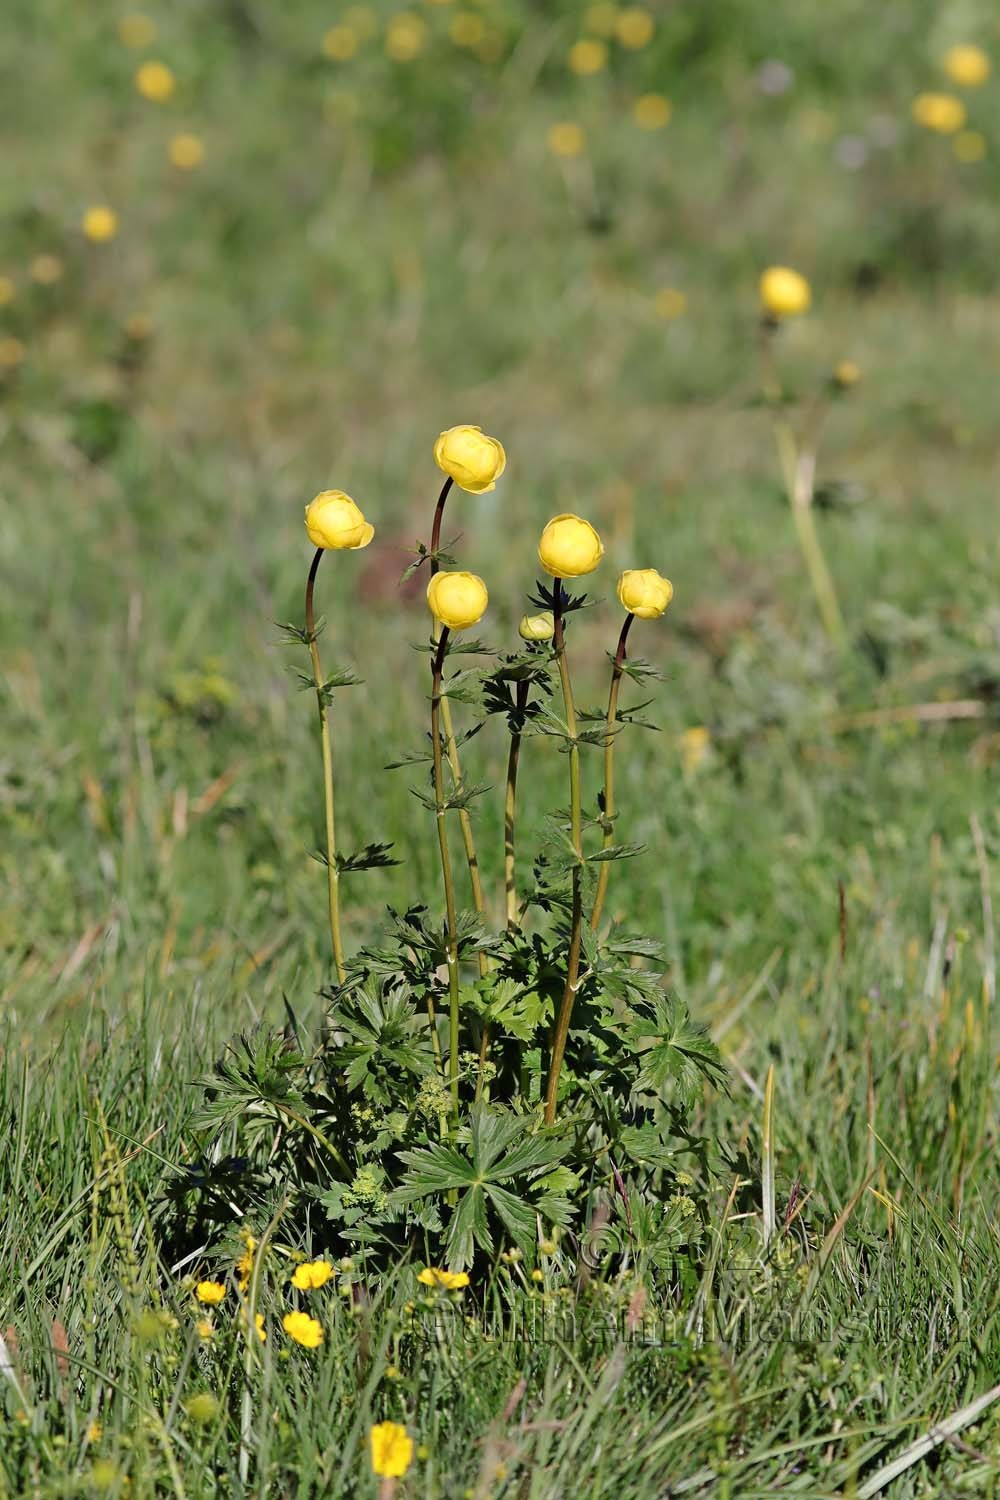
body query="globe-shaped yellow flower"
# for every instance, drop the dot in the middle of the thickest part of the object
(457, 600)
(644, 592)
(100, 223)
(472, 459)
(569, 547)
(334, 521)
(967, 65)
(537, 627)
(941, 112)
(784, 293)
(391, 1450)
(155, 81)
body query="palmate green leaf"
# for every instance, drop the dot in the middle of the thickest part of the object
(680, 1052)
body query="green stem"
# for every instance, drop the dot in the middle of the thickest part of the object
(576, 833)
(446, 875)
(332, 873)
(610, 735)
(798, 468)
(510, 808)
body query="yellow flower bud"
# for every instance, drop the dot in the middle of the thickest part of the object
(473, 460)
(457, 600)
(537, 627)
(569, 547)
(783, 292)
(333, 520)
(967, 65)
(643, 592)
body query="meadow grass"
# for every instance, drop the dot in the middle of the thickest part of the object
(371, 253)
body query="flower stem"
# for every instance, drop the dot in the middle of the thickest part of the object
(798, 468)
(576, 834)
(610, 735)
(510, 807)
(446, 875)
(332, 873)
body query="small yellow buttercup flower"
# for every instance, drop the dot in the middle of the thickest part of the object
(569, 547)
(334, 521)
(46, 269)
(846, 373)
(211, 1292)
(644, 593)
(587, 57)
(205, 1329)
(567, 139)
(100, 223)
(696, 746)
(186, 151)
(303, 1329)
(784, 293)
(457, 600)
(670, 303)
(634, 27)
(136, 30)
(472, 459)
(652, 111)
(451, 1281)
(967, 65)
(537, 627)
(155, 81)
(969, 145)
(405, 36)
(311, 1275)
(941, 112)
(340, 43)
(12, 352)
(391, 1450)
(6, 290)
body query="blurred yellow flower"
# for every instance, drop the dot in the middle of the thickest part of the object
(587, 57)
(846, 373)
(696, 743)
(340, 43)
(652, 111)
(311, 1275)
(363, 19)
(12, 353)
(303, 1329)
(967, 65)
(244, 1266)
(467, 29)
(600, 20)
(566, 139)
(155, 81)
(205, 1329)
(46, 269)
(405, 36)
(202, 1408)
(473, 460)
(969, 145)
(536, 628)
(784, 293)
(6, 290)
(941, 112)
(211, 1292)
(94, 1432)
(644, 593)
(139, 327)
(634, 27)
(670, 303)
(391, 1450)
(100, 223)
(451, 1281)
(569, 547)
(457, 600)
(333, 520)
(186, 151)
(136, 30)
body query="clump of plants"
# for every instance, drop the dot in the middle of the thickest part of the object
(483, 1082)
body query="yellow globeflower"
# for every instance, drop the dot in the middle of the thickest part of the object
(783, 292)
(303, 1329)
(457, 600)
(186, 152)
(634, 27)
(941, 112)
(6, 290)
(391, 1450)
(969, 145)
(644, 593)
(46, 269)
(334, 521)
(136, 30)
(569, 547)
(587, 57)
(155, 81)
(311, 1275)
(670, 303)
(452, 1281)
(537, 628)
(100, 223)
(405, 36)
(211, 1292)
(967, 65)
(472, 459)
(652, 111)
(340, 43)
(567, 139)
